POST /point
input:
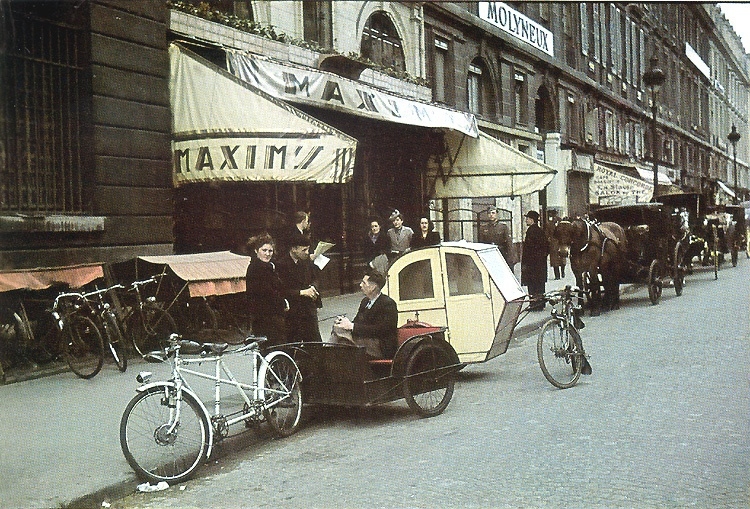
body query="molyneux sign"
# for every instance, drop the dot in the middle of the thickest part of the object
(516, 24)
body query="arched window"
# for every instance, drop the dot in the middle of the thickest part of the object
(479, 90)
(381, 43)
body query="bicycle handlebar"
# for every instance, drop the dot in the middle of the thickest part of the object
(152, 279)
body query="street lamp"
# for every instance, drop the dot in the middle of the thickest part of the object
(654, 79)
(733, 138)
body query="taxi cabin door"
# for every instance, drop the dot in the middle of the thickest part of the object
(468, 303)
(415, 284)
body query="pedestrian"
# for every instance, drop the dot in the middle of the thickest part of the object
(265, 291)
(301, 227)
(494, 231)
(557, 256)
(375, 327)
(299, 277)
(427, 236)
(375, 243)
(534, 260)
(399, 236)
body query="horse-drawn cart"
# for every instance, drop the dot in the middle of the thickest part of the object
(655, 245)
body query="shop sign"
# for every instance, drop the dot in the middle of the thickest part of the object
(611, 187)
(516, 24)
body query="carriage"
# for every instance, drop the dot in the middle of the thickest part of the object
(655, 245)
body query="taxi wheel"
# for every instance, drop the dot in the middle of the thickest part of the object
(429, 380)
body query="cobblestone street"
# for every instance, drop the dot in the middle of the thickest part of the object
(661, 422)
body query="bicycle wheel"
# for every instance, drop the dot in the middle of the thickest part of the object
(83, 346)
(558, 350)
(429, 380)
(283, 395)
(155, 453)
(197, 316)
(115, 341)
(150, 328)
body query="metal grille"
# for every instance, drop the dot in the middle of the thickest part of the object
(43, 107)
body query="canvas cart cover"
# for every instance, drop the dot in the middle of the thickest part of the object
(485, 167)
(206, 274)
(75, 276)
(224, 129)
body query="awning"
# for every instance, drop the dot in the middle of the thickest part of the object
(227, 130)
(610, 186)
(75, 276)
(648, 176)
(304, 85)
(485, 167)
(726, 189)
(207, 274)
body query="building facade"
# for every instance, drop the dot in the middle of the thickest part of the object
(559, 82)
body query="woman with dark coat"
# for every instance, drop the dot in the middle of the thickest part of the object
(426, 236)
(534, 259)
(265, 292)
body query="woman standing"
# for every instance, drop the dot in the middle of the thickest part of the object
(265, 291)
(400, 236)
(426, 236)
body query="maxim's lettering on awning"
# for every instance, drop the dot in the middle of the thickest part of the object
(224, 129)
(517, 25)
(236, 159)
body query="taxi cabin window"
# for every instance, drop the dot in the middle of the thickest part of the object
(415, 281)
(464, 277)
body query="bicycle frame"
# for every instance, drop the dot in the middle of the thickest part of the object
(254, 406)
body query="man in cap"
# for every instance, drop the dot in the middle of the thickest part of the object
(299, 276)
(534, 259)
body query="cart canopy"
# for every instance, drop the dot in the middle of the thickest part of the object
(206, 274)
(75, 276)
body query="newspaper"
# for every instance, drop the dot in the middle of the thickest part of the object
(319, 259)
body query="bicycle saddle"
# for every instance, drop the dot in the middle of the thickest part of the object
(189, 347)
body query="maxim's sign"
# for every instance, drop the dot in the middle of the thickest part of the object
(517, 25)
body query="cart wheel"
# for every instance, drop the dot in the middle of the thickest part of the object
(678, 271)
(429, 380)
(654, 284)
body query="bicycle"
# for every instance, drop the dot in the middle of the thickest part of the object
(559, 347)
(82, 343)
(146, 322)
(166, 431)
(107, 321)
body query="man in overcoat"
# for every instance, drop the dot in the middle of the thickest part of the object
(534, 259)
(299, 277)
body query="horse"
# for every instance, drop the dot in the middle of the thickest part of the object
(597, 257)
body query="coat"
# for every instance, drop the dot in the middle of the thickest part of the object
(556, 259)
(432, 239)
(380, 322)
(266, 302)
(302, 317)
(372, 249)
(498, 233)
(534, 257)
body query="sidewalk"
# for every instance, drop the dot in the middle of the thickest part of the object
(60, 433)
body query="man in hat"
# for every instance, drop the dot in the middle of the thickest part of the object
(534, 259)
(496, 232)
(299, 276)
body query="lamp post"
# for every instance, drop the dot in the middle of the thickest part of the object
(733, 138)
(654, 79)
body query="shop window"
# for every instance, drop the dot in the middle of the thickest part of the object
(43, 107)
(415, 281)
(381, 43)
(464, 277)
(318, 22)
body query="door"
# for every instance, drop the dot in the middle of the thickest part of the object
(468, 304)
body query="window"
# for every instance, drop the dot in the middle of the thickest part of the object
(415, 281)
(43, 107)
(318, 22)
(480, 95)
(381, 43)
(474, 88)
(439, 77)
(521, 97)
(464, 277)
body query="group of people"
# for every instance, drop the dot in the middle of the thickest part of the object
(379, 249)
(283, 296)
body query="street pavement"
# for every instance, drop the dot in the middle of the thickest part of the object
(60, 434)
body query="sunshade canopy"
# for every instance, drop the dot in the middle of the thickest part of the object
(75, 276)
(485, 167)
(206, 274)
(224, 129)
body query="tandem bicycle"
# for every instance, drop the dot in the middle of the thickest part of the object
(167, 432)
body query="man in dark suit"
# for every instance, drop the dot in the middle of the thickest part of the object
(376, 325)
(299, 278)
